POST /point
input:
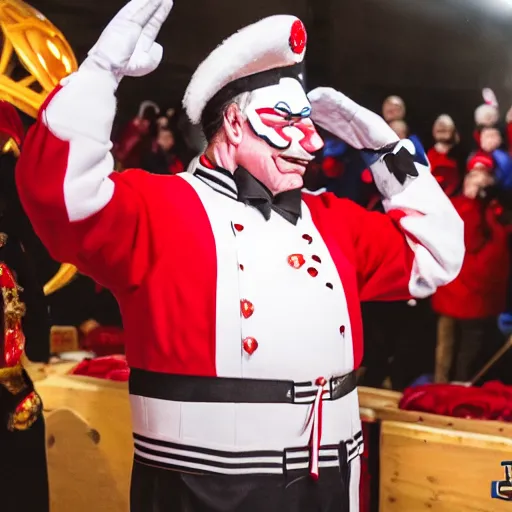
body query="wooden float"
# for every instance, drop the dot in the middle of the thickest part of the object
(436, 463)
(427, 462)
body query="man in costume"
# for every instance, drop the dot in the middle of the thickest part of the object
(240, 298)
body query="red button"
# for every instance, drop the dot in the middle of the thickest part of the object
(296, 260)
(241, 267)
(247, 308)
(321, 381)
(238, 227)
(317, 259)
(342, 330)
(250, 345)
(308, 238)
(313, 272)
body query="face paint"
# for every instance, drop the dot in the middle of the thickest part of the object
(279, 114)
(280, 137)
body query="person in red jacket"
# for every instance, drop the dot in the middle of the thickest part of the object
(135, 139)
(443, 161)
(470, 304)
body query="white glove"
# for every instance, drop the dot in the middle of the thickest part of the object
(127, 46)
(350, 122)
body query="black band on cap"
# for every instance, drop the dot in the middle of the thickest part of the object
(247, 84)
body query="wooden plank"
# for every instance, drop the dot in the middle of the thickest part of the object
(105, 407)
(80, 473)
(376, 398)
(494, 428)
(429, 469)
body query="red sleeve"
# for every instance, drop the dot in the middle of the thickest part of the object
(375, 244)
(102, 225)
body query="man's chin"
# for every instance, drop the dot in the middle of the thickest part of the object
(289, 181)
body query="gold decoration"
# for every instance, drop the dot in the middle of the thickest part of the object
(31, 40)
(26, 413)
(34, 45)
(11, 146)
(63, 276)
(14, 309)
(11, 378)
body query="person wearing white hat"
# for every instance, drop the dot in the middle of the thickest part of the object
(239, 295)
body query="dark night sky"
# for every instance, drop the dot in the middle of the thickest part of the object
(438, 54)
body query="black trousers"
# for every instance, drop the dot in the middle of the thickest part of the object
(23, 471)
(157, 490)
(399, 342)
(472, 339)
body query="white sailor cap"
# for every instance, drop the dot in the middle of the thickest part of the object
(256, 56)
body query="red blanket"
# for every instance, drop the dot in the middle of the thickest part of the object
(493, 401)
(104, 341)
(110, 367)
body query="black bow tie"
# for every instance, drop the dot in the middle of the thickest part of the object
(255, 194)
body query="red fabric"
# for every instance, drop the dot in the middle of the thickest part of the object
(490, 402)
(480, 289)
(112, 367)
(204, 160)
(371, 254)
(10, 123)
(482, 158)
(367, 176)
(104, 341)
(130, 147)
(332, 168)
(509, 137)
(476, 136)
(176, 166)
(445, 170)
(168, 313)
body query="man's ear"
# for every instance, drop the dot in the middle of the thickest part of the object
(233, 124)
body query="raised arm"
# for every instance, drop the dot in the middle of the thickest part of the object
(82, 211)
(419, 244)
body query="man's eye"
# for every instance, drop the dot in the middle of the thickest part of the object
(283, 109)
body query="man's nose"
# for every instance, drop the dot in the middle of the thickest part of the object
(313, 142)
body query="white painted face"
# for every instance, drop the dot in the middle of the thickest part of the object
(280, 115)
(279, 136)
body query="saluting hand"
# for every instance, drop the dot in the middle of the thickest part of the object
(350, 122)
(127, 46)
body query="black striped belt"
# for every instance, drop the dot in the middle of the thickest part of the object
(185, 388)
(180, 457)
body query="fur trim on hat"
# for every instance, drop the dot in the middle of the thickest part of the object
(262, 46)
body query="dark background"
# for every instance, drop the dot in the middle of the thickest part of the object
(436, 54)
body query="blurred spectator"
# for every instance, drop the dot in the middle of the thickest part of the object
(393, 109)
(137, 137)
(469, 305)
(393, 112)
(487, 115)
(400, 127)
(162, 159)
(445, 162)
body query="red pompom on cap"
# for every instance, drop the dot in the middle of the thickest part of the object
(298, 37)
